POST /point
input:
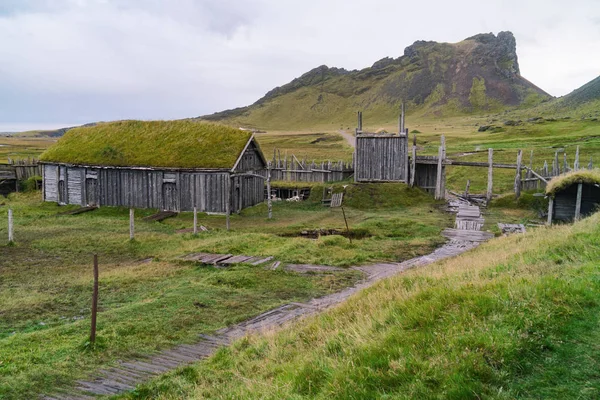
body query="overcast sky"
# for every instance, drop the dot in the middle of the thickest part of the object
(64, 62)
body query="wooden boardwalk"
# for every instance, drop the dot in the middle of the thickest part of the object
(126, 374)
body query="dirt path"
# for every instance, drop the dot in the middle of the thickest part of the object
(350, 138)
(125, 375)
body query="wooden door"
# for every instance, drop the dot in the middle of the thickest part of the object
(62, 192)
(170, 196)
(91, 191)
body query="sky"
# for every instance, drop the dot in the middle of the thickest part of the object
(67, 62)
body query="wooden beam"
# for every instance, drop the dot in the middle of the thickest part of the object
(518, 175)
(537, 175)
(576, 163)
(578, 202)
(10, 226)
(550, 210)
(269, 201)
(413, 169)
(227, 200)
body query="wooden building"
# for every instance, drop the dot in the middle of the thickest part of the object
(573, 195)
(168, 165)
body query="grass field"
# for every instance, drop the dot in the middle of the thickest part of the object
(516, 318)
(46, 276)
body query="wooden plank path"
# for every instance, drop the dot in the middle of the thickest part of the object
(125, 375)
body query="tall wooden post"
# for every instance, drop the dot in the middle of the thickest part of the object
(518, 175)
(556, 165)
(228, 199)
(490, 183)
(406, 158)
(131, 224)
(550, 210)
(565, 164)
(10, 226)
(439, 184)
(467, 187)
(94, 301)
(269, 200)
(413, 169)
(360, 123)
(578, 203)
(576, 163)
(591, 163)
(402, 126)
(195, 220)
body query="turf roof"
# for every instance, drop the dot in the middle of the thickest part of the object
(564, 181)
(172, 144)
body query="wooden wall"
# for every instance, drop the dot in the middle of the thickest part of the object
(381, 158)
(161, 189)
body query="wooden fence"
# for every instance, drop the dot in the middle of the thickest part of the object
(25, 168)
(295, 170)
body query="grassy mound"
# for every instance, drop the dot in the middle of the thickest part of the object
(516, 318)
(564, 181)
(182, 144)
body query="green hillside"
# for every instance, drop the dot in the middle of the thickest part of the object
(516, 318)
(478, 75)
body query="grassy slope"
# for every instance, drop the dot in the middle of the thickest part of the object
(183, 143)
(45, 279)
(516, 318)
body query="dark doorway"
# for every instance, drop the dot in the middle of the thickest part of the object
(91, 191)
(62, 192)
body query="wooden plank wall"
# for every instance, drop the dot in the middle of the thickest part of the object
(565, 202)
(295, 170)
(175, 190)
(381, 158)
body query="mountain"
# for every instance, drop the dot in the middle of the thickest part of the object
(479, 74)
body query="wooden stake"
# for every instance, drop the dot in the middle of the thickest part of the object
(490, 184)
(438, 183)
(578, 203)
(195, 220)
(347, 228)
(10, 226)
(556, 165)
(269, 201)
(565, 164)
(228, 200)
(94, 301)
(518, 175)
(131, 224)
(576, 163)
(467, 188)
(550, 210)
(413, 169)
(591, 163)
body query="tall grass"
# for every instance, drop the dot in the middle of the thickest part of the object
(516, 318)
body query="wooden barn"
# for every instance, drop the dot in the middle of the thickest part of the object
(167, 165)
(573, 195)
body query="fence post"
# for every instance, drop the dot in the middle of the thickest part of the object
(490, 183)
(439, 186)
(576, 163)
(94, 301)
(228, 200)
(413, 169)
(195, 220)
(131, 224)
(550, 210)
(10, 226)
(518, 176)
(269, 201)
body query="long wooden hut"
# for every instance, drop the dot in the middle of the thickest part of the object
(168, 165)
(573, 195)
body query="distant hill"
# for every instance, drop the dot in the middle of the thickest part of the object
(480, 74)
(51, 132)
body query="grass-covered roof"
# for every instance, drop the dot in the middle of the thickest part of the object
(172, 144)
(564, 181)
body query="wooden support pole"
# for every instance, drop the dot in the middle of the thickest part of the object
(131, 224)
(578, 203)
(565, 164)
(591, 163)
(490, 183)
(195, 220)
(94, 301)
(413, 168)
(406, 159)
(228, 200)
(545, 170)
(556, 165)
(467, 188)
(10, 226)
(439, 177)
(518, 175)
(269, 200)
(550, 210)
(402, 125)
(576, 163)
